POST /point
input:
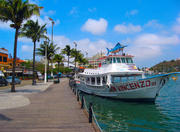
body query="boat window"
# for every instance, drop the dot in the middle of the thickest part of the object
(111, 60)
(123, 60)
(129, 60)
(118, 60)
(116, 79)
(104, 79)
(98, 80)
(88, 80)
(114, 60)
(93, 80)
(107, 60)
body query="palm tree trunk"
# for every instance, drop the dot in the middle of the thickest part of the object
(14, 61)
(68, 60)
(34, 74)
(47, 70)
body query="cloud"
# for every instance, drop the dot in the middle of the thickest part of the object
(73, 11)
(154, 39)
(48, 13)
(91, 9)
(95, 27)
(153, 24)
(5, 25)
(176, 26)
(132, 12)
(127, 29)
(85, 45)
(93, 47)
(148, 46)
(27, 48)
(44, 20)
(25, 40)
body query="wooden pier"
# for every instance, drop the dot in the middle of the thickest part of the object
(55, 110)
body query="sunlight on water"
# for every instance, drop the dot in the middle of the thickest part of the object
(164, 115)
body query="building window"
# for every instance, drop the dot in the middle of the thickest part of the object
(0, 58)
(4, 59)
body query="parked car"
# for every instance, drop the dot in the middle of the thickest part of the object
(17, 80)
(56, 76)
(50, 77)
(3, 81)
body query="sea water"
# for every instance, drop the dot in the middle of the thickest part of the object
(164, 115)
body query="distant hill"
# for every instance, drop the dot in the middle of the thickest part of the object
(167, 66)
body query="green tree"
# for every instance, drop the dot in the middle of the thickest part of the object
(58, 58)
(16, 11)
(35, 32)
(51, 51)
(67, 51)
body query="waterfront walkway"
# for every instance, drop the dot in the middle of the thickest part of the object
(54, 110)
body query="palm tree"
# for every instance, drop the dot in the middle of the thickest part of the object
(51, 51)
(35, 32)
(58, 58)
(16, 11)
(67, 51)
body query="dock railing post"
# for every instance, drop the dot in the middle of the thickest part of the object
(90, 112)
(77, 96)
(82, 102)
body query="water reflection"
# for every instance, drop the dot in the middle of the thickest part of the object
(115, 115)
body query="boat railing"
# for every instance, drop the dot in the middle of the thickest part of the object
(88, 108)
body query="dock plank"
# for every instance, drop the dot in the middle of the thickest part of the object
(53, 110)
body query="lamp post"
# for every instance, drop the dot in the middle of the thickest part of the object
(45, 74)
(52, 38)
(75, 56)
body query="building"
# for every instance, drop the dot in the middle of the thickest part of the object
(6, 62)
(3, 59)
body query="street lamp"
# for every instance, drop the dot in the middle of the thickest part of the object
(45, 74)
(75, 56)
(52, 38)
(52, 28)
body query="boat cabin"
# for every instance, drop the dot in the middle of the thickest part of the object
(112, 59)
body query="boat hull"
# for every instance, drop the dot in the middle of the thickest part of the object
(141, 90)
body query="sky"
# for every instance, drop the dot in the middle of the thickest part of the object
(150, 28)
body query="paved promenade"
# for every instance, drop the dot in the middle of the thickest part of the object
(54, 110)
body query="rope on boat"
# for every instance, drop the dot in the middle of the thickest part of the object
(85, 105)
(95, 120)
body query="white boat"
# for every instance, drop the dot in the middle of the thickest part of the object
(118, 77)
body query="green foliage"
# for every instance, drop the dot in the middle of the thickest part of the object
(51, 49)
(62, 69)
(33, 31)
(17, 11)
(167, 66)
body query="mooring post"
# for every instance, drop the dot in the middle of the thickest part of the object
(77, 96)
(74, 91)
(90, 112)
(82, 102)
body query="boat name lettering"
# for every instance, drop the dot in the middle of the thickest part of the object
(134, 85)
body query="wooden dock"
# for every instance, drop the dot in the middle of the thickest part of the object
(55, 110)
